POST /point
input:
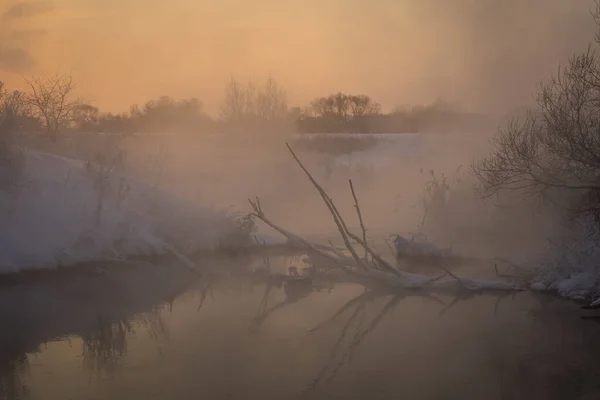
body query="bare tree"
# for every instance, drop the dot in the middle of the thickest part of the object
(52, 100)
(362, 105)
(555, 149)
(234, 105)
(271, 101)
(345, 107)
(246, 106)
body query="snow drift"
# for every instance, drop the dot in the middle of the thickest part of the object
(56, 217)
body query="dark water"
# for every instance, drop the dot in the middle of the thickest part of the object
(160, 332)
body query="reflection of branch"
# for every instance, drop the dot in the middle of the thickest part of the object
(367, 296)
(104, 348)
(453, 302)
(205, 289)
(13, 381)
(260, 319)
(328, 373)
(262, 316)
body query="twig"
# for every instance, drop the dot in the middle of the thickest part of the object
(360, 219)
(459, 280)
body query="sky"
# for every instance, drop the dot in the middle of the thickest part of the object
(486, 55)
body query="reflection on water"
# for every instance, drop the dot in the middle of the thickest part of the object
(13, 369)
(229, 336)
(105, 347)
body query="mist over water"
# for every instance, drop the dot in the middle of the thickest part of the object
(390, 177)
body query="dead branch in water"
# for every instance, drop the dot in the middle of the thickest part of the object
(343, 228)
(375, 270)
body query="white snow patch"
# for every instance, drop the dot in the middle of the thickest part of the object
(51, 220)
(538, 287)
(571, 264)
(577, 286)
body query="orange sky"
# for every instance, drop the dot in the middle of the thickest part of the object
(486, 54)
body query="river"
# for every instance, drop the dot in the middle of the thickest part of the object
(126, 332)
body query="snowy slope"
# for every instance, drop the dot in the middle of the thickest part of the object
(51, 220)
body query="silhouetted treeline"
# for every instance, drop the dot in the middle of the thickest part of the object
(50, 107)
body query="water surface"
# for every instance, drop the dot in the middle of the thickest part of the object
(162, 332)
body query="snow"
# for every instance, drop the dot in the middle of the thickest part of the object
(538, 287)
(570, 265)
(50, 220)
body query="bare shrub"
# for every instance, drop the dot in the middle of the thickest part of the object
(102, 170)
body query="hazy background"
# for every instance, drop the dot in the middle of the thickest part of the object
(485, 54)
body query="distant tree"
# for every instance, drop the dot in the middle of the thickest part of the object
(116, 123)
(362, 105)
(295, 113)
(271, 101)
(343, 112)
(15, 111)
(6, 120)
(235, 104)
(85, 117)
(12, 164)
(247, 107)
(52, 100)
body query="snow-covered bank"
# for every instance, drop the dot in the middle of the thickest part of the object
(67, 211)
(571, 264)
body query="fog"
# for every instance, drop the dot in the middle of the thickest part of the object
(483, 55)
(487, 55)
(390, 177)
